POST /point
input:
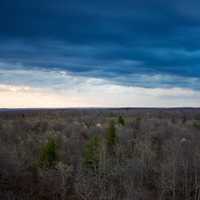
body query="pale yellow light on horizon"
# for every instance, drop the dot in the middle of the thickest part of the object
(91, 95)
(27, 97)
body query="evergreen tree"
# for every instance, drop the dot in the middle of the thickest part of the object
(111, 136)
(92, 153)
(48, 155)
(121, 120)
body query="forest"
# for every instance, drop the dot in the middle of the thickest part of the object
(100, 154)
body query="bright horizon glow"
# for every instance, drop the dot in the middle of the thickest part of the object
(139, 97)
(59, 89)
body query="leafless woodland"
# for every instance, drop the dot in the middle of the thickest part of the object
(100, 154)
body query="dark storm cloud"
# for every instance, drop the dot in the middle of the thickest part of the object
(107, 39)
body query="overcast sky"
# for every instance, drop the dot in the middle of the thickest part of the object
(75, 53)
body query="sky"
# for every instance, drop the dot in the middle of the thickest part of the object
(75, 53)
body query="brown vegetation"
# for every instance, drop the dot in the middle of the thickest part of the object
(100, 154)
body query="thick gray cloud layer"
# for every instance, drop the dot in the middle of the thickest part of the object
(123, 41)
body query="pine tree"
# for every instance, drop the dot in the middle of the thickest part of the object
(48, 155)
(92, 153)
(111, 136)
(121, 120)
